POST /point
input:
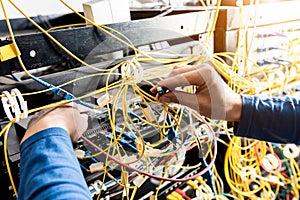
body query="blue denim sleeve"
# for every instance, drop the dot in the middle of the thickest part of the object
(49, 168)
(270, 119)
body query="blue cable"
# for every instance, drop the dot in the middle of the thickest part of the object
(93, 159)
(132, 128)
(123, 143)
(211, 176)
(16, 78)
(265, 49)
(105, 184)
(61, 92)
(133, 115)
(271, 34)
(172, 132)
(126, 136)
(273, 61)
(83, 167)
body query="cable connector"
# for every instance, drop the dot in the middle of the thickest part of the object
(206, 192)
(104, 100)
(79, 153)
(248, 171)
(192, 184)
(61, 92)
(140, 180)
(161, 91)
(182, 193)
(125, 181)
(173, 196)
(126, 190)
(177, 196)
(149, 114)
(96, 186)
(129, 159)
(58, 91)
(150, 151)
(96, 167)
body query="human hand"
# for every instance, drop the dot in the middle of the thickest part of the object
(212, 98)
(72, 117)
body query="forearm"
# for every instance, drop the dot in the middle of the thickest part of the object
(49, 168)
(270, 119)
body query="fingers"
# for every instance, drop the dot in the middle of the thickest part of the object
(77, 119)
(80, 123)
(176, 71)
(180, 80)
(181, 69)
(182, 98)
(184, 76)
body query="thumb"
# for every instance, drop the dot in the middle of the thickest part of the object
(81, 125)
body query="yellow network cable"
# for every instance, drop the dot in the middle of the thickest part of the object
(5, 130)
(241, 153)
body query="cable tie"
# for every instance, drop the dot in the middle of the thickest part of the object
(270, 162)
(291, 151)
(134, 69)
(23, 104)
(138, 72)
(248, 171)
(7, 102)
(13, 103)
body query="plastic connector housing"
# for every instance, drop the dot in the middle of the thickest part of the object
(79, 153)
(96, 167)
(139, 181)
(152, 152)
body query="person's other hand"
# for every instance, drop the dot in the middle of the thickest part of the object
(71, 117)
(212, 98)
